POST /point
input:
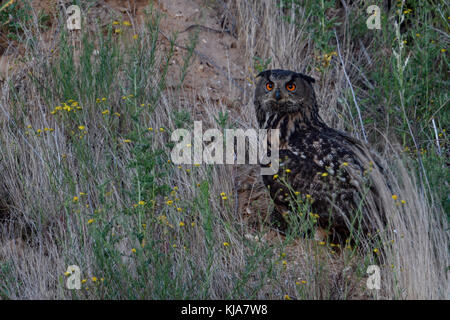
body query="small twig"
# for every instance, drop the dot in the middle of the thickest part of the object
(437, 136)
(205, 28)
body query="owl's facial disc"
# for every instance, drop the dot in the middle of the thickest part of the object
(279, 94)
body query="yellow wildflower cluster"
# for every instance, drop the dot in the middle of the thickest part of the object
(407, 11)
(325, 59)
(126, 23)
(69, 106)
(395, 197)
(140, 203)
(314, 215)
(163, 220)
(39, 131)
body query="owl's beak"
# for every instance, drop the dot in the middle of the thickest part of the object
(278, 95)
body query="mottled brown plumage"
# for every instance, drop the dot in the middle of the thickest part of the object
(323, 166)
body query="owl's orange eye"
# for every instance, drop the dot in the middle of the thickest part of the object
(290, 87)
(269, 85)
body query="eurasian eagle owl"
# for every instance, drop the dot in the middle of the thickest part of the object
(326, 169)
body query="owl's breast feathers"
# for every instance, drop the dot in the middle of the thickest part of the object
(319, 161)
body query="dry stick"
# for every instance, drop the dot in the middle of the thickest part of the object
(351, 87)
(436, 134)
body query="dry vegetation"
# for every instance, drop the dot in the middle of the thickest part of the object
(86, 177)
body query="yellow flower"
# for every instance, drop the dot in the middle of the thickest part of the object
(94, 279)
(226, 244)
(118, 30)
(179, 209)
(90, 221)
(135, 37)
(81, 127)
(126, 23)
(394, 196)
(443, 50)
(105, 112)
(224, 198)
(116, 23)
(275, 176)
(133, 250)
(142, 203)
(103, 99)
(75, 199)
(7, 4)
(83, 281)
(403, 201)
(126, 140)
(169, 202)
(322, 243)
(161, 129)
(117, 114)
(345, 164)
(150, 129)
(182, 224)
(286, 297)
(67, 273)
(375, 250)
(192, 224)
(288, 170)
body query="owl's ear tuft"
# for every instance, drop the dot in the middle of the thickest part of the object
(264, 73)
(305, 77)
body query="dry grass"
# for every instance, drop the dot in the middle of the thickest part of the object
(229, 252)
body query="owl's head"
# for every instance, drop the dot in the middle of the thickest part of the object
(284, 91)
